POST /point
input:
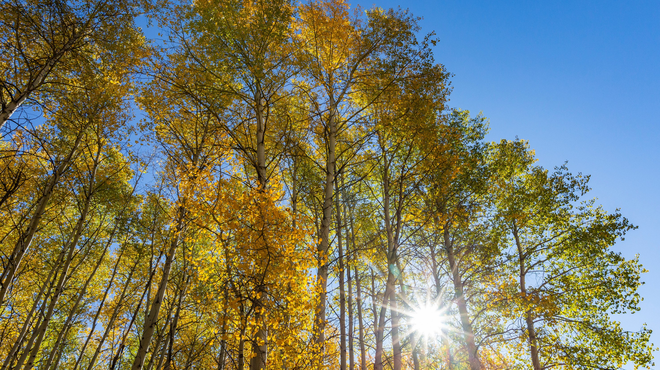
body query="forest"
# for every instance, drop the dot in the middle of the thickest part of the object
(282, 184)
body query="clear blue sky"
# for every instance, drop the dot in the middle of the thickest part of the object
(581, 81)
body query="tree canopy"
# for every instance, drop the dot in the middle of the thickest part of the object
(282, 185)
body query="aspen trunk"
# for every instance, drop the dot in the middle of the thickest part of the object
(98, 311)
(42, 313)
(174, 324)
(162, 332)
(152, 318)
(68, 322)
(358, 302)
(351, 336)
(342, 291)
(28, 319)
(259, 346)
(380, 328)
(350, 245)
(438, 291)
(529, 318)
(113, 317)
(396, 341)
(415, 360)
(161, 358)
(25, 239)
(71, 247)
(374, 311)
(392, 232)
(241, 350)
(468, 333)
(324, 245)
(117, 355)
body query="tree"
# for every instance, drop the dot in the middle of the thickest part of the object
(568, 281)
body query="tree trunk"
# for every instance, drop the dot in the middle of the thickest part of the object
(529, 315)
(28, 319)
(396, 341)
(358, 302)
(117, 355)
(466, 325)
(25, 239)
(351, 336)
(380, 328)
(259, 346)
(98, 311)
(152, 318)
(71, 247)
(438, 291)
(324, 245)
(113, 317)
(68, 322)
(174, 324)
(342, 290)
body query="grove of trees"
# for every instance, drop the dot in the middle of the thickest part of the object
(281, 185)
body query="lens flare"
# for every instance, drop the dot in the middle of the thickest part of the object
(428, 320)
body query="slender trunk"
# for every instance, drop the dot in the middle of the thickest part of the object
(358, 301)
(351, 329)
(260, 103)
(342, 290)
(98, 311)
(324, 245)
(161, 358)
(159, 339)
(223, 316)
(42, 314)
(374, 311)
(438, 291)
(361, 339)
(115, 359)
(28, 319)
(165, 331)
(259, 346)
(350, 246)
(380, 328)
(174, 324)
(25, 239)
(416, 338)
(415, 356)
(71, 247)
(113, 317)
(56, 362)
(152, 318)
(396, 341)
(390, 288)
(241, 350)
(223, 343)
(68, 322)
(294, 193)
(466, 325)
(529, 315)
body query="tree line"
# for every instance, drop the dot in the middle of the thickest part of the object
(282, 185)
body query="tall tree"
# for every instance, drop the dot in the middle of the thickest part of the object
(569, 282)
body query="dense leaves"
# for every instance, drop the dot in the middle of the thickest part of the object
(294, 193)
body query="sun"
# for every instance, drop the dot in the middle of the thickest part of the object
(428, 320)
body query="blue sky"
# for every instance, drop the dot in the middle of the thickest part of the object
(581, 81)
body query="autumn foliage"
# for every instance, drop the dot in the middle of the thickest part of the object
(281, 185)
